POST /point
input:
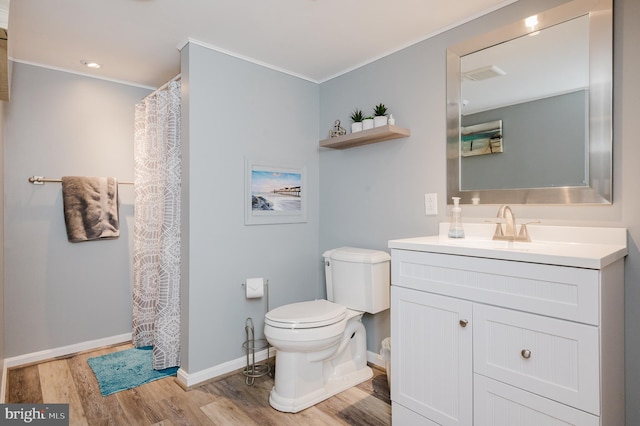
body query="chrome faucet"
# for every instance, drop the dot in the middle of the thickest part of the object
(509, 232)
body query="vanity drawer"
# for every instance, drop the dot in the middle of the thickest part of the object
(557, 291)
(497, 403)
(553, 358)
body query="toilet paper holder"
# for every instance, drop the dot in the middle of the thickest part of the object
(255, 287)
(251, 345)
(250, 293)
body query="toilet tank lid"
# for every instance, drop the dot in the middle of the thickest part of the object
(360, 255)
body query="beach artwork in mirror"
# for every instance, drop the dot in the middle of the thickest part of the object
(481, 139)
(544, 84)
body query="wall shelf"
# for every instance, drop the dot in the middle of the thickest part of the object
(364, 137)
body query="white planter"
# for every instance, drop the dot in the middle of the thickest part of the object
(367, 124)
(356, 127)
(379, 120)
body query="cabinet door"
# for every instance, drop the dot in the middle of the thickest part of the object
(431, 356)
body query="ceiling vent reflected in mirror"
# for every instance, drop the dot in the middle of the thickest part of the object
(483, 73)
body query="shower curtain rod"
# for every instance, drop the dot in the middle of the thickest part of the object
(40, 180)
(176, 78)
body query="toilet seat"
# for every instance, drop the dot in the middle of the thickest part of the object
(301, 315)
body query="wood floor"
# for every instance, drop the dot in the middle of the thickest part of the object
(224, 401)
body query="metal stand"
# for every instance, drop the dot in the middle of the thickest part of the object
(251, 346)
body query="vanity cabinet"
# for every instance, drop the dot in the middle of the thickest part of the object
(485, 341)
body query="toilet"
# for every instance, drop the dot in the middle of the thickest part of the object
(322, 345)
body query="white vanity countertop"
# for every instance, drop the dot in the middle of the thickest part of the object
(581, 247)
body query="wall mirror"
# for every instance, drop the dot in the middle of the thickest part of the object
(548, 80)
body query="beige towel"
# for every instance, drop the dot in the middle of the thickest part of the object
(90, 207)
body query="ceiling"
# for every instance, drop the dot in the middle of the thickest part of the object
(138, 41)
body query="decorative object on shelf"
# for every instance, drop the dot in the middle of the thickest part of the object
(337, 130)
(356, 117)
(380, 115)
(367, 123)
(391, 121)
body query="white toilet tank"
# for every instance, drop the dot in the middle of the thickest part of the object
(358, 278)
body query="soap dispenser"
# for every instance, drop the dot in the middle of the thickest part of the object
(455, 228)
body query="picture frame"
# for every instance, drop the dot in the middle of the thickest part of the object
(481, 139)
(274, 193)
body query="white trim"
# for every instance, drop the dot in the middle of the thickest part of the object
(376, 359)
(421, 39)
(246, 58)
(64, 350)
(112, 80)
(187, 380)
(164, 86)
(500, 5)
(181, 45)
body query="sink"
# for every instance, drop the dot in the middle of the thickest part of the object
(583, 247)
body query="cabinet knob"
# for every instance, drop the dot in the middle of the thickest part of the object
(463, 323)
(526, 353)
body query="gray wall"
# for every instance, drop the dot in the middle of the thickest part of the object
(544, 145)
(232, 110)
(58, 293)
(374, 193)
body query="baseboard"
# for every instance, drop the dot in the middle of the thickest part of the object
(376, 359)
(48, 354)
(188, 380)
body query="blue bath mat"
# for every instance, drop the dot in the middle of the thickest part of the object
(126, 369)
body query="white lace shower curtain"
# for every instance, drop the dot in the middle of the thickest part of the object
(156, 253)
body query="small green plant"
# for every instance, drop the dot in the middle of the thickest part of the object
(369, 117)
(380, 110)
(357, 116)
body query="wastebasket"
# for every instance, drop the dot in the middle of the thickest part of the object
(386, 355)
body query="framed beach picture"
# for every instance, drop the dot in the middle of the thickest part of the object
(482, 139)
(274, 194)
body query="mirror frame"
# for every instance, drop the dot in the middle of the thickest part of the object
(600, 167)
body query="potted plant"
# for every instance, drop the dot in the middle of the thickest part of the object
(356, 117)
(380, 115)
(367, 123)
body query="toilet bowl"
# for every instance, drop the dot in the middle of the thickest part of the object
(321, 352)
(321, 345)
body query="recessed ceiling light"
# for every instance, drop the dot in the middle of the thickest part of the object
(531, 22)
(90, 64)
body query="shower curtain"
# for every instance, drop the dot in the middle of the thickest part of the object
(156, 252)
